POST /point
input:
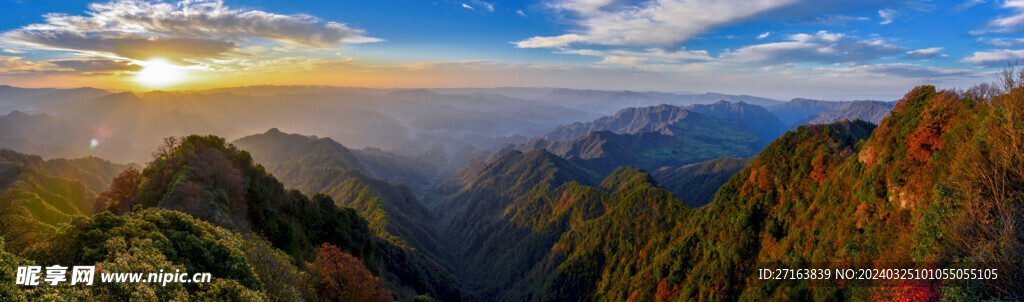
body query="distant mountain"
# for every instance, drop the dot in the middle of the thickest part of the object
(871, 111)
(754, 118)
(58, 137)
(659, 136)
(696, 184)
(673, 120)
(632, 120)
(604, 152)
(607, 101)
(463, 115)
(789, 113)
(29, 99)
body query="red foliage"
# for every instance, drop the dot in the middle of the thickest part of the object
(121, 194)
(910, 290)
(339, 276)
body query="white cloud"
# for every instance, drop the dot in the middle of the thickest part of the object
(887, 16)
(468, 7)
(994, 58)
(764, 35)
(136, 29)
(833, 20)
(485, 5)
(12, 51)
(520, 12)
(924, 53)
(968, 4)
(821, 47)
(544, 42)
(1009, 24)
(658, 23)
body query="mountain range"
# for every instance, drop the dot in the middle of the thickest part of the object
(655, 202)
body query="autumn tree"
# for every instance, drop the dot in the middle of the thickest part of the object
(121, 194)
(338, 276)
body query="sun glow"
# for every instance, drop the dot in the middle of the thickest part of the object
(156, 73)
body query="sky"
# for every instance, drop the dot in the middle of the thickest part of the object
(833, 50)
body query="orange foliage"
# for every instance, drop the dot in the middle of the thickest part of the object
(819, 169)
(925, 140)
(665, 291)
(339, 276)
(120, 195)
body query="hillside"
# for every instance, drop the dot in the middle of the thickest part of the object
(829, 193)
(215, 182)
(320, 165)
(476, 212)
(846, 192)
(39, 195)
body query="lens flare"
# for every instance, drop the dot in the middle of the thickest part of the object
(93, 143)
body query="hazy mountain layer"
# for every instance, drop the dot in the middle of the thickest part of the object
(870, 111)
(696, 184)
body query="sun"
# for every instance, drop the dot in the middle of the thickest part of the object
(157, 73)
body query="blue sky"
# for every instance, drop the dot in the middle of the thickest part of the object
(775, 48)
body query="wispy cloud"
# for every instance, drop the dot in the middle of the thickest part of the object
(821, 47)
(926, 53)
(647, 56)
(1002, 42)
(520, 13)
(900, 70)
(968, 4)
(466, 6)
(887, 15)
(831, 20)
(764, 35)
(488, 6)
